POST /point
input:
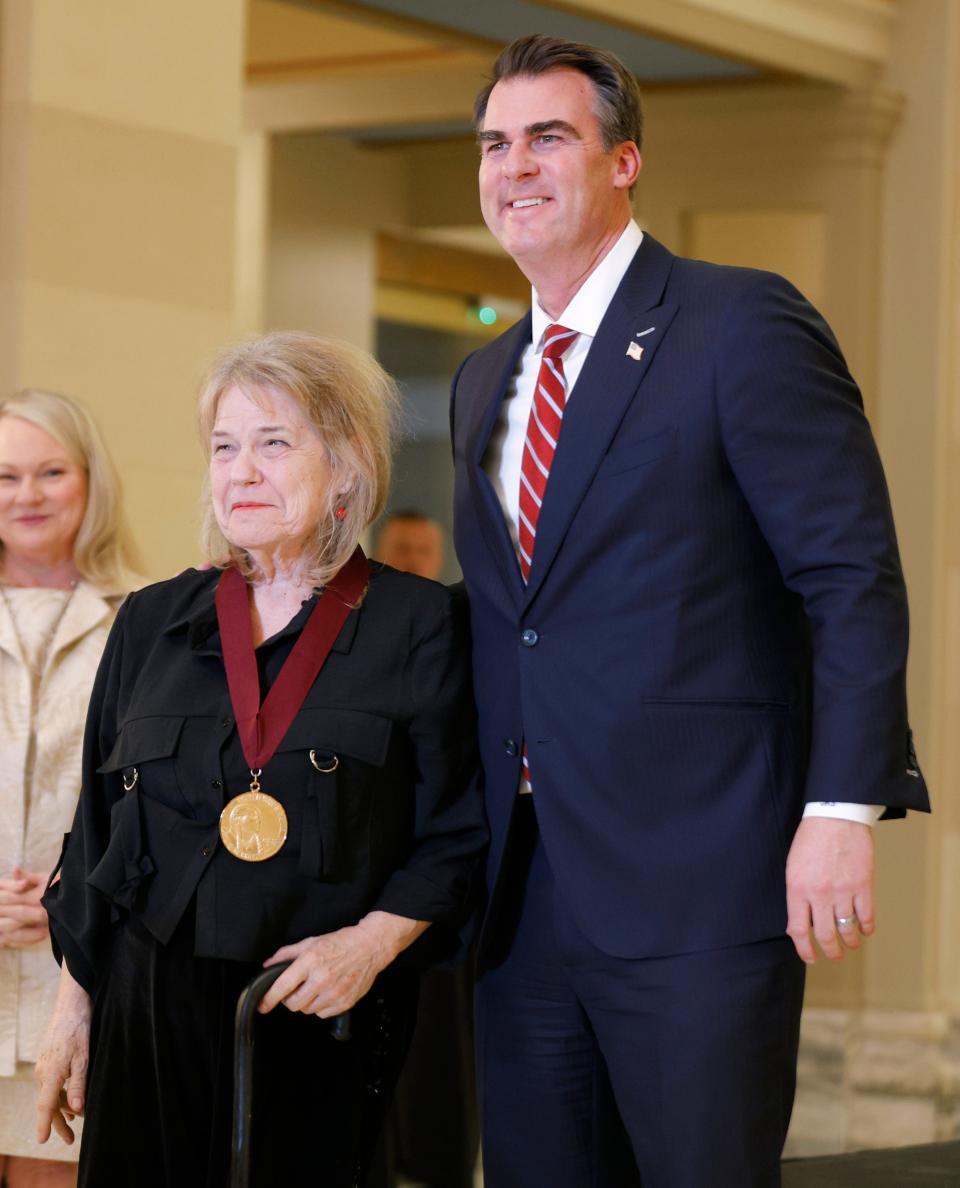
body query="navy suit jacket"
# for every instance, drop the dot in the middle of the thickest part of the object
(715, 626)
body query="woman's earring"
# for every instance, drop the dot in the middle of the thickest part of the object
(341, 513)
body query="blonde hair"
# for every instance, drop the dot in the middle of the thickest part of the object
(350, 401)
(103, 551)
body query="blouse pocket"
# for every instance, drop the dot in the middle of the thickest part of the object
(350, 733)
(144, 756)
(343, 752)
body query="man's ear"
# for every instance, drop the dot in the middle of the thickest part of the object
(628, 165)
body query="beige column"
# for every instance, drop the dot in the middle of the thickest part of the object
(889, 1073)
(917, 382)
(947, 669)
(251, 240)
(328, 199)
(119, 135)
(920, 432)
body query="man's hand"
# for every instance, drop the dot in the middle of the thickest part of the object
(23, 921)
(830, 886)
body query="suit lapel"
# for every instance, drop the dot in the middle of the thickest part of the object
(483, 407)
(626, 342)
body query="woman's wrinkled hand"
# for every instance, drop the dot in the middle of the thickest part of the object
(23, 921)
(61, 1071)
(332, 972)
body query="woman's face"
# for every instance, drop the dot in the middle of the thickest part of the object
(43, 493)
(270, 474)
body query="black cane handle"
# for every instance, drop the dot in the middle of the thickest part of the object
(243, 1039)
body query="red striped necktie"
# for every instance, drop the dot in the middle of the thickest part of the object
(543, 432)
(540, 444)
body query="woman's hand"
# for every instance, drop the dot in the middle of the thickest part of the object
(332, 972)
(23, 921)
(63, 1062)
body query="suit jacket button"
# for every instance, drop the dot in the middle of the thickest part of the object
(510, 746)
(529, 637)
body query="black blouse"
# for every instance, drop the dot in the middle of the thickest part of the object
(397, 826)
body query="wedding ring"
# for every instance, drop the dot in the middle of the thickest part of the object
(845, 921)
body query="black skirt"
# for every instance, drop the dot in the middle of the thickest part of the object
(160, 1083)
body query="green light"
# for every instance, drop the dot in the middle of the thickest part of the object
(487, 315)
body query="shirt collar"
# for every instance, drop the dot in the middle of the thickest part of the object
(585, 311)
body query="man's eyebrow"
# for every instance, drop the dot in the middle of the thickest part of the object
(494, 136)
(552, 126)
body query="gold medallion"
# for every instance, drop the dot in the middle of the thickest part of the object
(253, 826)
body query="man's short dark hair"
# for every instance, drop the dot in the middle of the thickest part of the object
(618, 97)
(408, 515)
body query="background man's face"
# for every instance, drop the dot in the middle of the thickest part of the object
(415, 546)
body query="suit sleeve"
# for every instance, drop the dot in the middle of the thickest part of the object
(802, 453)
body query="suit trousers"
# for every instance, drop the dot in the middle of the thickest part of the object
(607, 1072)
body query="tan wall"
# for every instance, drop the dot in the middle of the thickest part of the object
(791, 241)
(119, 127)
(328, 199)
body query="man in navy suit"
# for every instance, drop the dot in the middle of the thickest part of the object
(690, 635)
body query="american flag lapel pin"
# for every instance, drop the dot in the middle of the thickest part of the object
(635, 351)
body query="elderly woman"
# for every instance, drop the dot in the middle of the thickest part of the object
(64, 560)
(280, 765)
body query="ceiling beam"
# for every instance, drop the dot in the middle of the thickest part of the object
(837, 41)
(442, 31)
(344, 100)
(416, 264)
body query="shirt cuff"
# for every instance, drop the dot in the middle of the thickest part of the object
(866, 814)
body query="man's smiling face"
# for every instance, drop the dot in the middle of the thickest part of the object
(548, 188)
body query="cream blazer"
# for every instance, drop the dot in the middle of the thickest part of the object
(34, 819)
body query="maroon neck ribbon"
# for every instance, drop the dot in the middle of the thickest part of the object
(261, 727)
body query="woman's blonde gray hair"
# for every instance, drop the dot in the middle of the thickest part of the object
(103, 551)
(349, 400)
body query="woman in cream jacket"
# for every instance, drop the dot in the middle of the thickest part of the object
(63, 559)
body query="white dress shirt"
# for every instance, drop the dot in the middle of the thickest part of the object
(504, 453)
